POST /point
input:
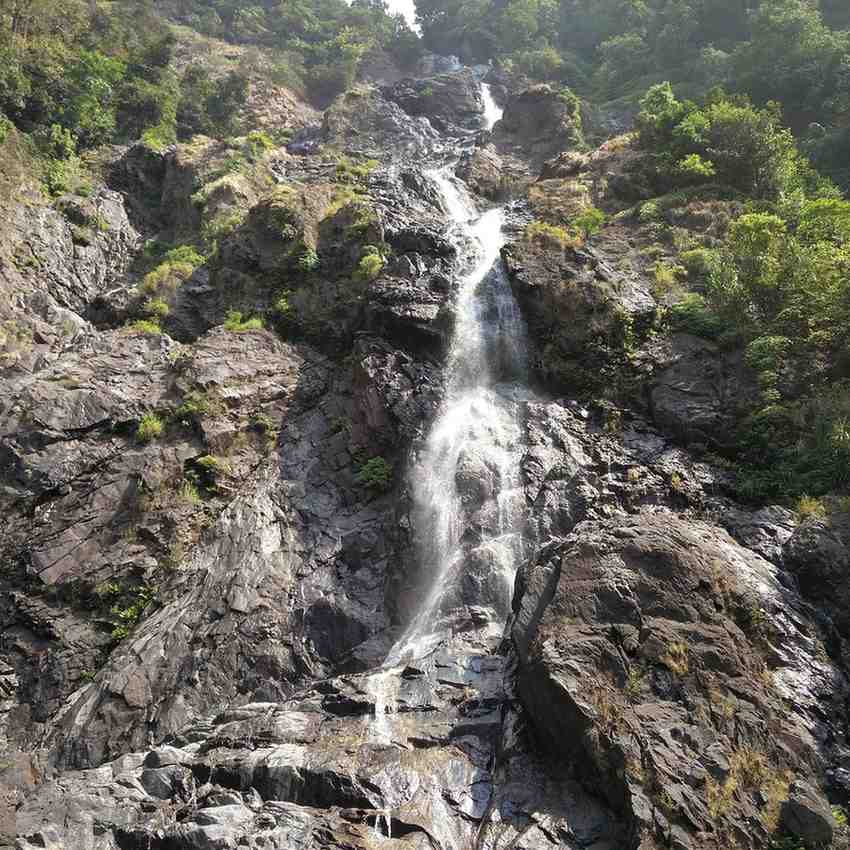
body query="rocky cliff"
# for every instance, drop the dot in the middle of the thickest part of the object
(210, 546)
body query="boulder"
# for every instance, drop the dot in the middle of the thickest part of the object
(481, 170)
(638, 664)
(541, 120)
(806, 815)
(451, 101)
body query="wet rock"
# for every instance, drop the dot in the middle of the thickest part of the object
(818, 553)
(481, 170)
(450, 101)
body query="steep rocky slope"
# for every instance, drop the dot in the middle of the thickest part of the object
(195, 616)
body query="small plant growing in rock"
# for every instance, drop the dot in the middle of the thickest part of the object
(126, 617)
(634, 682)
(156, 309)
(150, 327)
(549, 235)
(675, 659)
(809, 508)
(194, 405)
(649, 212)
(150, 428)
(281, 305)
(188, 493)
(308, 261)
(589, 221)
(235, 323)
(370, 265)
(263, 423)
(258, 143)
(376, 474)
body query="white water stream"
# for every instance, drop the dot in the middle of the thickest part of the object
(466, 476)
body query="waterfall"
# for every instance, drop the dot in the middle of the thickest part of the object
(492, 111)
(466, 478)
(469, 509)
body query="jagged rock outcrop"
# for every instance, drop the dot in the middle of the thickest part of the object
(541, 121)
(365, 121)
(451, 102)
(482, 170)
(579, 308)
(672, 667)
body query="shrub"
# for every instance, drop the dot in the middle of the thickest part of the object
(809, 508)
(150, 428)
(589, 221)
(376, 474)
(258, 143)
(194, 405)
(126, 616)
(156, 308)
(692, 315)
(308, 261)
(145, 326)
(649, 212)
(5, 127)
(281, 305)
(370, 265)
(549, 235)
(698, 262)
(234, 322)
(348, 171)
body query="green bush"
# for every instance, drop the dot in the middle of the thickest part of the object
(375, 474)
(156, 308)
(150, 428)
(692, 315)
(308, 261)
(549, 235)
(589, 221)
(235, 323)
(370, 265)
(145, 326)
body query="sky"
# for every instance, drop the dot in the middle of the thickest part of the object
(406, 8)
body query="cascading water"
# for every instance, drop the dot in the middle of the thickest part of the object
(492, 111)
(469, 507)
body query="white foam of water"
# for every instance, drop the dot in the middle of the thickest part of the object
(492, 111)
(477, 423)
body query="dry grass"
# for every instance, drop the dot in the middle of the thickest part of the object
(675, 659)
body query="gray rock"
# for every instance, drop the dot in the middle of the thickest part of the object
(806, 815)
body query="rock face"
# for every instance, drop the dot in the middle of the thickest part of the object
(450, 101)
(649, 647)
(541, 121)
(697, 391)
(817, 553)
(481, 170)
(578, 307)
(211, 541)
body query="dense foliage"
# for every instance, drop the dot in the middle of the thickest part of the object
(78, 73)
(793, 52)
(778, 285)
(318, 43)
